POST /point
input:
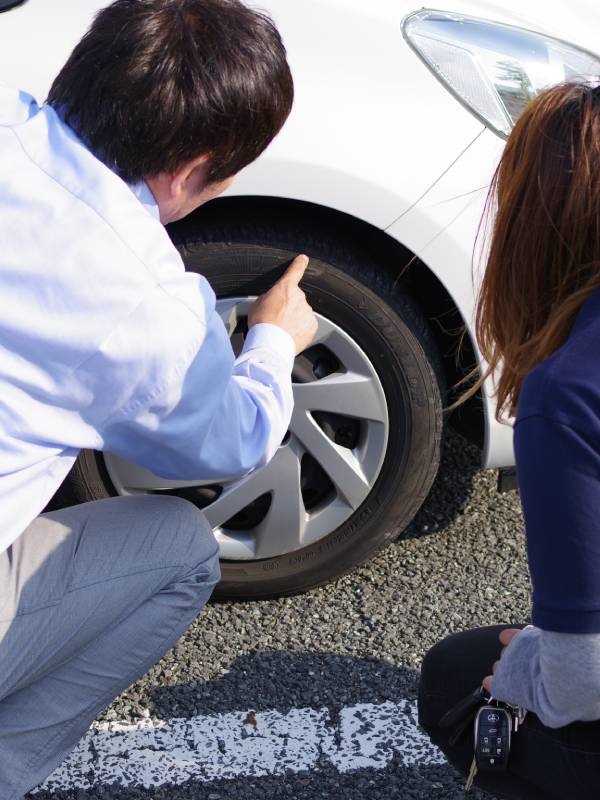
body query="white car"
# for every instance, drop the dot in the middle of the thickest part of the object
(380, 176)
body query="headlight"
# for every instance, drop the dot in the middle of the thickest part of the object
(493, 69)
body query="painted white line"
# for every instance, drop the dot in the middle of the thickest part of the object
(244, 744)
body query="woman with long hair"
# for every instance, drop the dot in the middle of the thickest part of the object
(538, 327)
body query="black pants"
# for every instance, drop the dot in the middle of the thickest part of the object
(545, 763)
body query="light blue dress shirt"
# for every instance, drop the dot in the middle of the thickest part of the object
(106, 342)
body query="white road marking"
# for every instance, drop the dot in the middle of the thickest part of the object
(244, 744)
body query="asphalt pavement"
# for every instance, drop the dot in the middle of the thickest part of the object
(357, 641)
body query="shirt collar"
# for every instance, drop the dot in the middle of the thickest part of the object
(142, 191)
(140, 188)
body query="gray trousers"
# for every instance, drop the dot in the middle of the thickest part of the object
(90, 598)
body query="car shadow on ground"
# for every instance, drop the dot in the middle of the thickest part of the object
(459, 464)
(280, 681)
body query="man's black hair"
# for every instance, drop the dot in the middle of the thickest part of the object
(156, 83)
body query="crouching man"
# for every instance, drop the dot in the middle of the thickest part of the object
(107, 343)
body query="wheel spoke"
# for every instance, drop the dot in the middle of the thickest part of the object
(348, 394)
(277, 473)
(339, 463)
(133, 478)
(342, 346)
(232, 309)
(228, 311)
(238, 495)
(283, 528)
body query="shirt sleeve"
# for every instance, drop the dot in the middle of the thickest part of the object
(554, 675)
(559, 480)
(167, 393)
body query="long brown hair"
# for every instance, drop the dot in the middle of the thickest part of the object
(544, 252)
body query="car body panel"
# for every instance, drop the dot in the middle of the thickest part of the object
(339, 147)
(36, 39)
(348, 142)
(372, 134)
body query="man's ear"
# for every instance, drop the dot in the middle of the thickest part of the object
(190, 176)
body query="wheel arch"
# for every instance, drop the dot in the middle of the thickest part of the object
(313, 222)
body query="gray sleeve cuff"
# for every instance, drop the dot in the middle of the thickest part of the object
(518, 670)
(554, 675)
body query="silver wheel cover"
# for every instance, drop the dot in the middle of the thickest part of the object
(353, 391)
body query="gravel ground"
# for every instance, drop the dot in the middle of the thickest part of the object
(358, 640)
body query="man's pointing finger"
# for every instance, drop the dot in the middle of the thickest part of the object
(295, 272)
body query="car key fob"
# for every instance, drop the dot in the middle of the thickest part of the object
(493, 727)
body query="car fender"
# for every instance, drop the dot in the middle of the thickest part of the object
(448, 230)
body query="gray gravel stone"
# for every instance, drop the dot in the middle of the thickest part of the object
(361, 639)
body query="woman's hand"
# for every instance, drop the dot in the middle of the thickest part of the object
(506, 637)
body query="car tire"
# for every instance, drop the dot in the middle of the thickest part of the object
(389, 328)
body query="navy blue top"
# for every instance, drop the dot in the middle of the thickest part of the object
(557, 446)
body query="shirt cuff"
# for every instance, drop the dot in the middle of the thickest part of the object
(264, 335)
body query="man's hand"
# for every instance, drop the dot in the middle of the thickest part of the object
(285, 305)
(506, 637)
